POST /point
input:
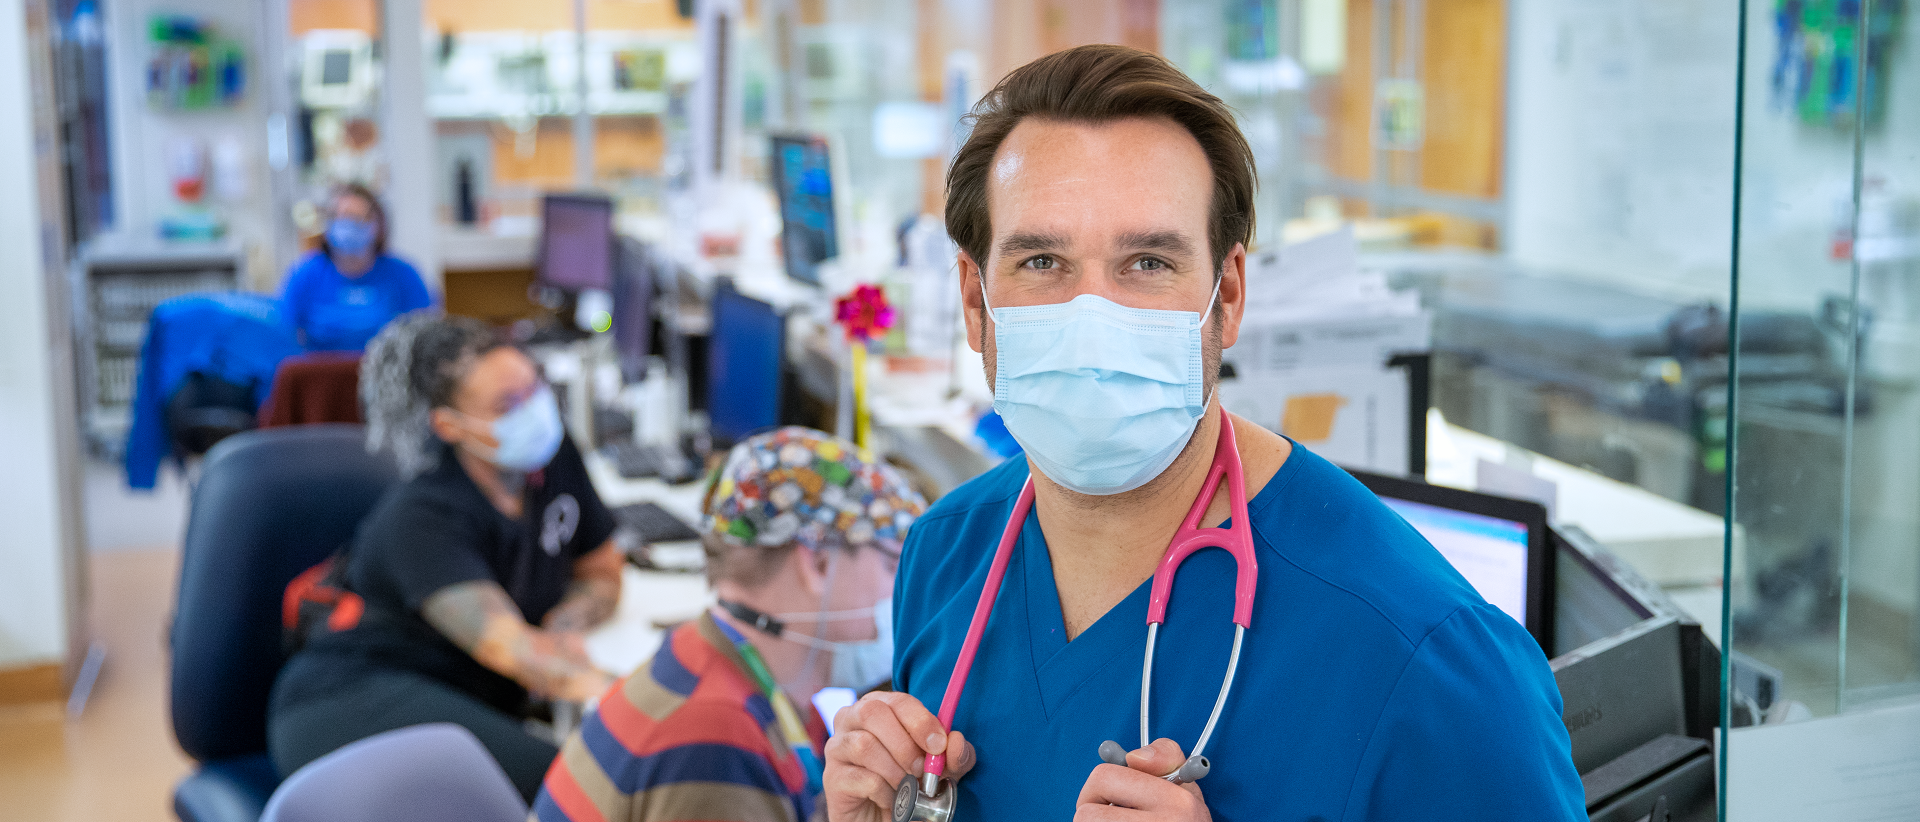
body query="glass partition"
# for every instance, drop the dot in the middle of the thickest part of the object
(1826, 431)
(1552, 178)
(1538, 195)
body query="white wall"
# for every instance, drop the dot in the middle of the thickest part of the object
(1620, 134)
(33, 517)
(141, 136)
(1620, 166)
(1798, 177)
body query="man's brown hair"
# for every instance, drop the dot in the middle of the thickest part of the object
(1100, 84)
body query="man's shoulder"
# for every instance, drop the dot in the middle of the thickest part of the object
(684, 704)
(948, 538)
(1328, 536)
(994, 489)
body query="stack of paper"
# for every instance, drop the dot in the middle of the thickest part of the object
(1311, 359)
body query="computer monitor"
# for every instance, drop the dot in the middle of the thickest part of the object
(745, 350)
(1499, 544)
(803, 180)
(576, 242)
(633, 308)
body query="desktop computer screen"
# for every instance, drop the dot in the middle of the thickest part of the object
(1491, 553)
(633, 308)
(1499, 544)
(576, 242)
(803, 179)
(744, 353)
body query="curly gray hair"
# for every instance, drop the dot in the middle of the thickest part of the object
(413, 366)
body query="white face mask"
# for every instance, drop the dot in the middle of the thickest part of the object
(528, 436)
(857, 665)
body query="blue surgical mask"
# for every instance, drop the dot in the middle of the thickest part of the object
(529, 435)
(351, 237)
(1102, 397)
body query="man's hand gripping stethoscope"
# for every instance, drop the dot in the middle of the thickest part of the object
(877, 744)
(885, 737)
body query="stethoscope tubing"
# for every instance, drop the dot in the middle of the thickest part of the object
(982, 611)
(1219, 702)
(1236, 540)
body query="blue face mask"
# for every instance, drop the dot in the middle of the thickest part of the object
(1101, 396)
(529, 435)
(352, 237)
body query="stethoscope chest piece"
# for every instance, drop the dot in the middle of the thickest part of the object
(932, 802)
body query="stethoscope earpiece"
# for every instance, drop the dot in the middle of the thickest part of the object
(1191, 770)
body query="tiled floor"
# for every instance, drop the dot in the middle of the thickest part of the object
(118, 760)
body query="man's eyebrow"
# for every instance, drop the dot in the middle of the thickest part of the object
(1170, 242)
(1020, 241)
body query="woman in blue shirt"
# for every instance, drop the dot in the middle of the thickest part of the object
(338, 297)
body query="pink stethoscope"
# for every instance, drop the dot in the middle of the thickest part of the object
(931, 797)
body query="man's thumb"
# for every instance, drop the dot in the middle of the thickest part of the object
(1159, 759)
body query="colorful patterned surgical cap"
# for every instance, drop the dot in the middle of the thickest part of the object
(805, 487)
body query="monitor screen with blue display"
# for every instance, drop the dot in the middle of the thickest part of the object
(803, 180)
(1490, 553)
(1499, 544)
(744, 353)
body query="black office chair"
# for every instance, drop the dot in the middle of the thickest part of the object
(270, 504)
(205, 410)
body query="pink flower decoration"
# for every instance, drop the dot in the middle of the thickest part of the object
(864, 312)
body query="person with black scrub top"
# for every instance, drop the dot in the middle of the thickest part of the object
(480, 572)
(1102, 205)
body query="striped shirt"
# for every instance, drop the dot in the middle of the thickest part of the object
(689, 737)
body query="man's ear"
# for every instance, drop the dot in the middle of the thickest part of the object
(1233, 294)
(812, 566)
(971, 301)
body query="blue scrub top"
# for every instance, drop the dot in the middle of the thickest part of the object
(335, 312)
(1374, 683)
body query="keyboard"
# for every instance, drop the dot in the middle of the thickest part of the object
(636, 461)
(653, 523)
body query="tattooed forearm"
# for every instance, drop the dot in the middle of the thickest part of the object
(594, 593)
(589, 602)
(480, 618)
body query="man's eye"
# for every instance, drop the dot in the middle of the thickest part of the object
(1041, 263)
(1150, 264)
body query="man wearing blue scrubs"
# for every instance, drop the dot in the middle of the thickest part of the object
(1102, 199)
